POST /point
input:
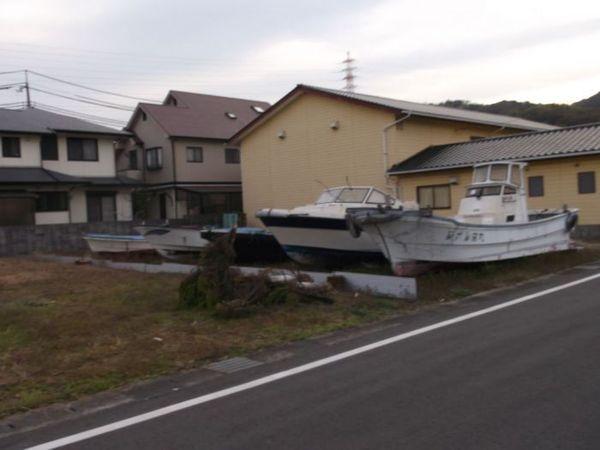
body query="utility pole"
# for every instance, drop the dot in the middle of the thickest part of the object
(27, 89)
(349, 73)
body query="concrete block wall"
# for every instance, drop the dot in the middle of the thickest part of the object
(58, 238)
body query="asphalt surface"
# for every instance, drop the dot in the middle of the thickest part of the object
(524, 377)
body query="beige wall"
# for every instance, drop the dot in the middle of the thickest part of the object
(30, 153)
(290, 172)
(104, 167)
(78, 204)
(152, 135)
(213, 168)
(560, 186)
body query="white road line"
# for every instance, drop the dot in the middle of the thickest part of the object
(294, 371)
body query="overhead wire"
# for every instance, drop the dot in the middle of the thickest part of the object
(98, 103)
(78, 115)
(89, 88)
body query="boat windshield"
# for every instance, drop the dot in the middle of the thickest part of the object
(343, 195)
(484, 191)
(328, 196)
(352, 195)
(480, 174)
(499, 172)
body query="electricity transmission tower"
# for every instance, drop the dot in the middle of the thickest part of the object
(348, 71)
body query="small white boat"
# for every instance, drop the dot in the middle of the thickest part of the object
(318, 233)
(493, 223)
(174, 242)
(109, 243)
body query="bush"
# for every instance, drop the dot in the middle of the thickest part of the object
(221, 289)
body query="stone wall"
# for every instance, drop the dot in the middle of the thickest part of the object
(59, 238)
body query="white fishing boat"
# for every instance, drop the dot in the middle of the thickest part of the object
(110, 243)
(493, 223)
(318, 233)
(174, 242)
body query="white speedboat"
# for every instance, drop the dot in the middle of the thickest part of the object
(110, 243)
(318, 233)
(493, 223)
(174, 242)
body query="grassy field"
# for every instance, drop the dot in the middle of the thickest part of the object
(69, 330)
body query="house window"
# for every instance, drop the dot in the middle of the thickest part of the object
(154, 158)
(101, 207)
(52, 202)
(133, 160)
(82, 149)
(231, 115)
(199, 203)
(434, 197)
(49, 147)
(536, 186)
(232, 155)
(586, 182)
(194, 154)
(11, 147)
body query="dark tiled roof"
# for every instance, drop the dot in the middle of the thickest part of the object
(569, 141)
(37, 121)
(201, 115)
(38, 175)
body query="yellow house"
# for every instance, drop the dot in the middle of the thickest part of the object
(315, 137)
(562, 169)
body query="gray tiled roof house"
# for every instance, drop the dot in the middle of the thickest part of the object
(557, 143)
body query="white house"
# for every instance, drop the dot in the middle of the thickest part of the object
(59, 169)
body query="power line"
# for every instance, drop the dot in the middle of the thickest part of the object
(82, 116)
(11, 72)
(149, 57)
(79, 113)
(91, 102)
(91, 88)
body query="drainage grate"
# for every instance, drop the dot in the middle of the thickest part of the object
(233, 365)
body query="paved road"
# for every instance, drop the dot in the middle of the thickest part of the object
(523, 377)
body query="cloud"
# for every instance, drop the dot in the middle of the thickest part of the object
(424, 51)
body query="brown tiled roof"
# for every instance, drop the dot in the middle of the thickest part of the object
(201, 115)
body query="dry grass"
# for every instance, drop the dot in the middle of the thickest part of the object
(454, 282)
(67, 330)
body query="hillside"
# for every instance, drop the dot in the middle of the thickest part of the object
(583, 111)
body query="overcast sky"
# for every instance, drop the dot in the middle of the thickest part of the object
(428, 51)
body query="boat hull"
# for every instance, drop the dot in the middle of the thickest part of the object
(410, 237)
(99, 243)
(251, 244)
(321, 240)
(174, 242)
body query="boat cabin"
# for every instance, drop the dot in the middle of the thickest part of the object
(496, 195)
(366, 195)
